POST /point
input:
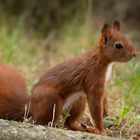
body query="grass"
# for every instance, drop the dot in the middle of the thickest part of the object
(33, 56)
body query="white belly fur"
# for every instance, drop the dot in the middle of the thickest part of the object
(71, 99)
(108, 72)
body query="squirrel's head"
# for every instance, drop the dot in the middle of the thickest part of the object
(114, 44)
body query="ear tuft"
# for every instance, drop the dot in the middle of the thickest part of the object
(116, 25)
(106, 33)
(105, 28)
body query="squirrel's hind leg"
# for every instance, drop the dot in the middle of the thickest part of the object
(46, 107)
(75, 114)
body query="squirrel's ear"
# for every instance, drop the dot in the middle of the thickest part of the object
(106, 32)
(116, 25)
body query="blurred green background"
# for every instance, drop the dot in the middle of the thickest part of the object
(37, 34)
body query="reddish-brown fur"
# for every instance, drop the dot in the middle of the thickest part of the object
(13, 94)
(85, 73)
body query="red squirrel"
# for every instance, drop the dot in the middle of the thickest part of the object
(68, 85)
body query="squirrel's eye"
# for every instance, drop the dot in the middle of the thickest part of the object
(118, 45)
